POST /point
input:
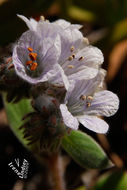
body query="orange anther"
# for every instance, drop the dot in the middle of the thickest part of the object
(33, 67)
(33, 56)
(28, 62)
(30, 49)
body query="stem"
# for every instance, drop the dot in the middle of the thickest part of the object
(56, 172)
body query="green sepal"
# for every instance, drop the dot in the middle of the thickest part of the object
(85, 151)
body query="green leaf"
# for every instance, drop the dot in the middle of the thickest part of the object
(15, 113)
(85, 151)
(112, 181)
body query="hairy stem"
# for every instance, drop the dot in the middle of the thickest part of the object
(54, 163)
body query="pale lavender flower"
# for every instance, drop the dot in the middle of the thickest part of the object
(77, 59)
(85, 101)
(33, 24)
(35, 59)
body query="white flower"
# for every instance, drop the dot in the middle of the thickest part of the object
(85, 101)
(77, 59)
(33, 24)
(35, 59)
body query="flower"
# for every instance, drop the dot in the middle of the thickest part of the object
(85, 101)
(76, 58)
(33, 24)
(35, 58)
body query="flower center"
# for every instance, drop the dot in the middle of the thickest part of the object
(72, 57)
(32, 62)
(88, 99)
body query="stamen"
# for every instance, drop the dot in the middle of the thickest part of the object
(72, 48)
(70, 66)
(33, 56)
(89, 98)
(73, 55)
(83, 97)
(28, 62)
(42, 18)
(81, 58)
(30, 49)
(34, 66)
(88, 104)
(70, 58)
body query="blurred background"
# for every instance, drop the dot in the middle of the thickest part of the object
(105, 25)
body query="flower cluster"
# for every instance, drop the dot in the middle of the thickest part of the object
(57, 56)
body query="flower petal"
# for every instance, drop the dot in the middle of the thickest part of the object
(105, 103)
(69, 37)
(32, 24)
(65, 24)
(93, 56)
(62, 23)
(94, 123)
(68, 118)
(46, 59)
(59, 78)
(82, 73)
(84, 86)
(47, 29)
(86, 59)
(50, 52)
(30, 39)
